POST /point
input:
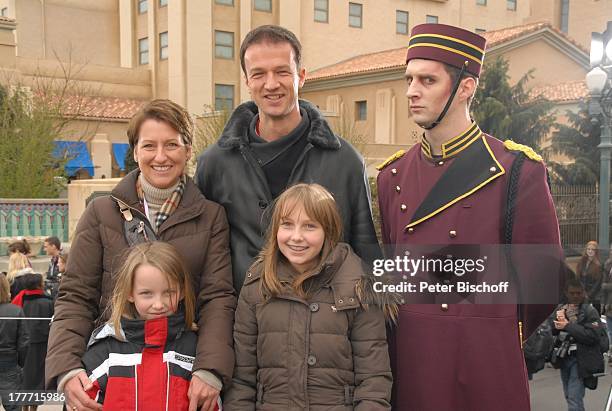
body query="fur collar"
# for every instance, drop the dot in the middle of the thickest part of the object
(235, 132)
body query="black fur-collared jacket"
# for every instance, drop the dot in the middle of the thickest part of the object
(229, 174)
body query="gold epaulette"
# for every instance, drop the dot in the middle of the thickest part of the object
(528, 151)
(398, 154)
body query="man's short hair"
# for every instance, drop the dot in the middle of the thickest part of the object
(453, 72)
(54, 241)
(273, 34)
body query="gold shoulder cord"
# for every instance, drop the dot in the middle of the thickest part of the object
(520, 324)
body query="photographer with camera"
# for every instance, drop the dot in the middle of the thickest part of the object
(578, 347)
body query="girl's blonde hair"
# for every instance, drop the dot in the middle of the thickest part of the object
(320, 205)
(17, 262)
(166, 259)
(5, 290)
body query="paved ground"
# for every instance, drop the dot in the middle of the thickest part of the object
(547, 392)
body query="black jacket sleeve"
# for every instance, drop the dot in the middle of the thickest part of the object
(23, 339)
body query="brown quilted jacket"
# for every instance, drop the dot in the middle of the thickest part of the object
(198, 229)
(328, 353)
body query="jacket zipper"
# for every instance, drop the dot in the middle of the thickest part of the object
(144, 220)
(298, 163)
(245, 150)
(142, 216)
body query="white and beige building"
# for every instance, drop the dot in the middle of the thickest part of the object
(126, 52)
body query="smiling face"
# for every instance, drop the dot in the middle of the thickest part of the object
(160, 153)
(273, 80)
(300, 239)
(152, 294)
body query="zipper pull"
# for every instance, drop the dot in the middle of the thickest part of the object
(141, 230)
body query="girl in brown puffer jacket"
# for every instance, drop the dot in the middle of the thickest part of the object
(308, 332)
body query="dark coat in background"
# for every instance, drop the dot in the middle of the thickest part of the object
(14, 337)
(36, 306)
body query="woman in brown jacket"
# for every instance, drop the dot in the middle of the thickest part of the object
(156, 201)
(308, 335)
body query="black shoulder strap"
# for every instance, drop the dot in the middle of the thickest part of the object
(511, 197)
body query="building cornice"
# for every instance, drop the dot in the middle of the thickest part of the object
(551, 38)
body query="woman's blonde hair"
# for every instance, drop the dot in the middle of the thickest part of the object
(166, 259)
(17, 262)
(319, 205)
(5, 290)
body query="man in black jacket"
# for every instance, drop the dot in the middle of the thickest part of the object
(276, 141)
(579, 355)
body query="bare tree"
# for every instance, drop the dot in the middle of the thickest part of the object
(35, 111)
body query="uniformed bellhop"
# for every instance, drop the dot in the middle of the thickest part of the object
(452, 188)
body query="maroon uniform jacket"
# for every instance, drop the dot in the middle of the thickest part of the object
(464, 356)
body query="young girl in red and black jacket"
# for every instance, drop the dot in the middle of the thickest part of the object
(143, 357)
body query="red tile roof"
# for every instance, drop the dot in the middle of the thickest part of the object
(395, 58)
(112, 108)
(571, 91)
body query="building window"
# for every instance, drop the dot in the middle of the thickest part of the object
(224, 44)
(431, 19)
(361, 110)
(224, 97)
(163, 3)
(321, 11)
(143, 6)
(564, 15)
(481, 2)
(355, 14)
(263, 5)
(479, 30)
(163, 45)
(225, 2)
(511, 4)
(143, 51)
(4, 12)
(401, 22)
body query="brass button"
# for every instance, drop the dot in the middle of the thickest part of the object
(394, 171)
(351, 299)
(403, 207)
(444, 307)
(398, 188)
(249, 275)
(452, 234)
(410, 230)
(440, 163)
(314, 307)
(312, 360)
(340, 301)
(493, 169)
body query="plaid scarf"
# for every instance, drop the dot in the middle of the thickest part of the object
(169, 205)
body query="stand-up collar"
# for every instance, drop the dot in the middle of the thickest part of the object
(455, 145)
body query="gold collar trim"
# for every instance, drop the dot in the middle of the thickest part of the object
(455, 145)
